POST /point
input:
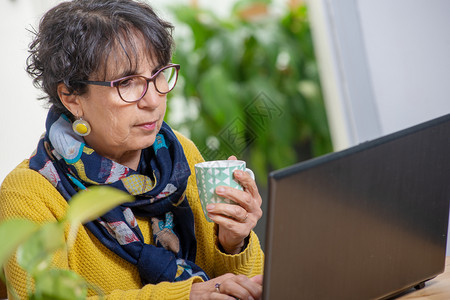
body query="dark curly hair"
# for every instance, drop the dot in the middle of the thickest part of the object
(75, 39)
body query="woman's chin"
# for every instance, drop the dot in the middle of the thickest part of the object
(147, 142)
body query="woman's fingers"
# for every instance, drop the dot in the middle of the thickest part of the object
(242, 198)
(247, 182)
(227, 286)
(241, 287)
(207, 290)
(237, 228)
(236, 212)
(258, 279)
(247, 206)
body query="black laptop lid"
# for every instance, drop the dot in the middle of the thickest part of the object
(363, 223)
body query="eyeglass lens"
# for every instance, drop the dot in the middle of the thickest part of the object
(134, 88)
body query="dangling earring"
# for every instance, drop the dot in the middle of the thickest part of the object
(81, 127)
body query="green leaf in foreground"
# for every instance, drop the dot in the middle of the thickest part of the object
(90, 204)
(34, 254)
(16, 231)
(94, 202)
(60, 284)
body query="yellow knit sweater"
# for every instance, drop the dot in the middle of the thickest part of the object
(28, 194)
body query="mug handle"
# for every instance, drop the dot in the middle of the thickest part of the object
(250, 172)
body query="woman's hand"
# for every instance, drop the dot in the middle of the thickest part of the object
(236, 221)
(228, 286)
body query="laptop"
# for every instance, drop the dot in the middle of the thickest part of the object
(368, 222)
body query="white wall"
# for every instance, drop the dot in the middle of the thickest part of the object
(385, 64)
(21, 115)
(409, 62)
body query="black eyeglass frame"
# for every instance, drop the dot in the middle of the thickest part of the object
(115, 83)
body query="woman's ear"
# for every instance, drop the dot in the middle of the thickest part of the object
(70, 100)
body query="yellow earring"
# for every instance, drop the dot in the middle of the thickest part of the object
(81, 127)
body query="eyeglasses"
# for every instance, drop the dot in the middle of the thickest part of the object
(134, 87)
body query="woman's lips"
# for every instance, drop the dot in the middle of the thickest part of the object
(148, 126)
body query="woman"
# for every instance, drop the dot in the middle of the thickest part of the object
(105, 67)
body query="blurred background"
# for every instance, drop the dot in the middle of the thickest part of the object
(274, 82)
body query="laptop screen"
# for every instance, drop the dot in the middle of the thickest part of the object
(363, 223)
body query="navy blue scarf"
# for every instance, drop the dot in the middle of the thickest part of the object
(158, 186)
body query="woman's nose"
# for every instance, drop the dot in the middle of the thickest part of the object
(152, 99)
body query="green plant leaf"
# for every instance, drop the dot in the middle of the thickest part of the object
(34, 255)
(60, 284)
(16, 231)
(94, 202)
(90, 204)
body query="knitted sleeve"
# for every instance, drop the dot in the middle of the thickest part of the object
(249, 262)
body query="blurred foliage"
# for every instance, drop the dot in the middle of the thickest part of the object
(249, 85)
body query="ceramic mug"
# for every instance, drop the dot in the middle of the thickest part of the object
(211, 174)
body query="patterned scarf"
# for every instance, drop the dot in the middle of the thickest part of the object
(158, 186)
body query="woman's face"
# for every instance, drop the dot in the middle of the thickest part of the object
(119, 130)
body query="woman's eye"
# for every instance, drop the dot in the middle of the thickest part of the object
(126, 82)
